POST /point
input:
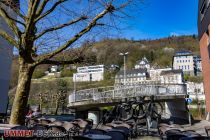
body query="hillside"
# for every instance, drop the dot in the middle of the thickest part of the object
(159, 52)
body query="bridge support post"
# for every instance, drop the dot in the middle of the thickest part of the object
(94, 115)
(177, 110)
(91, 113)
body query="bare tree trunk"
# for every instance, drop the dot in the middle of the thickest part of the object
(22, 93)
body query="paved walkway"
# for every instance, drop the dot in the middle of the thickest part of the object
(148, 138)
(198, 127)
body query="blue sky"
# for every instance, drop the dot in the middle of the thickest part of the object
(162, 18)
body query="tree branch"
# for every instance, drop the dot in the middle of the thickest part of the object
(11, 23)
(10, 18)
(73, 61)
(60, 26)
(41, 7)
(50, 10)
(14, 7)
(7, 37)
(93, 23)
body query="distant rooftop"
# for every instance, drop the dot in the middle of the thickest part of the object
(183, 53)
(133, 71)
(143, 61)
(168, 72)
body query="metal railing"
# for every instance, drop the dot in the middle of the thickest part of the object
(127, 91)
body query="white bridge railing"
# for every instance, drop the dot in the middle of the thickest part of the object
(127, 91)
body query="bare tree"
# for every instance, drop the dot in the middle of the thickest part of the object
(45, 28)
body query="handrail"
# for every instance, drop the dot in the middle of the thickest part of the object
(128, 91)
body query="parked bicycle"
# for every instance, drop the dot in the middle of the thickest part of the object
(142, 114)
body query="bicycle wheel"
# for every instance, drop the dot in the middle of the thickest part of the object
(139, 111)
(154, 108)
(126, 112)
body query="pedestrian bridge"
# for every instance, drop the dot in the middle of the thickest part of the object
(107, 96)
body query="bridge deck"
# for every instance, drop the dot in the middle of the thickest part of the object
(109, 96)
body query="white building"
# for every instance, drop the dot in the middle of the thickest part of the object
(54, 68)
(143, 64)
(89, 73)
(172, 77)
(195, 90)
(133, 76)
(6, 54)
(155, 74)
(189, 63)
(184, 60)
(53, 71)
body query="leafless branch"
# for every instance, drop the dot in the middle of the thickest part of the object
(93, 23)
(8, 38)
(73, 61)
(10, 21)
(41, 8)
(50, 10)
(13, 6)
(10, 18)
(60, 26)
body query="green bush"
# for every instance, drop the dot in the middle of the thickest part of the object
(67, 73)
(196, 79)
(38, 74)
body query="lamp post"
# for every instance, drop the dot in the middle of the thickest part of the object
(75, 80)
(124, 58)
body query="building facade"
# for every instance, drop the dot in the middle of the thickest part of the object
(195, 90)
(133, 76)
(89, 73)
(6, 54)
(172, 77)
(188, 62)
(143, 64)
(204, 42)
(155, 74)
(184, 60)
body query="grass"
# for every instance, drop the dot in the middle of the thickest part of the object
(198, 114)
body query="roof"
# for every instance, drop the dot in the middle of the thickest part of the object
(183, 53)
(168, 72)
(144, 59)
(132, 71)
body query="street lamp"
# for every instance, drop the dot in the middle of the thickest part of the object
(124, 58)
(75, 80)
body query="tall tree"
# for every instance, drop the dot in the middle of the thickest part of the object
(45, 28)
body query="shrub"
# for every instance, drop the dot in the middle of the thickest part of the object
(38, 74)
(67, 73)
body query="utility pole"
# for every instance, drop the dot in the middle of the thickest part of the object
(124, 58)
